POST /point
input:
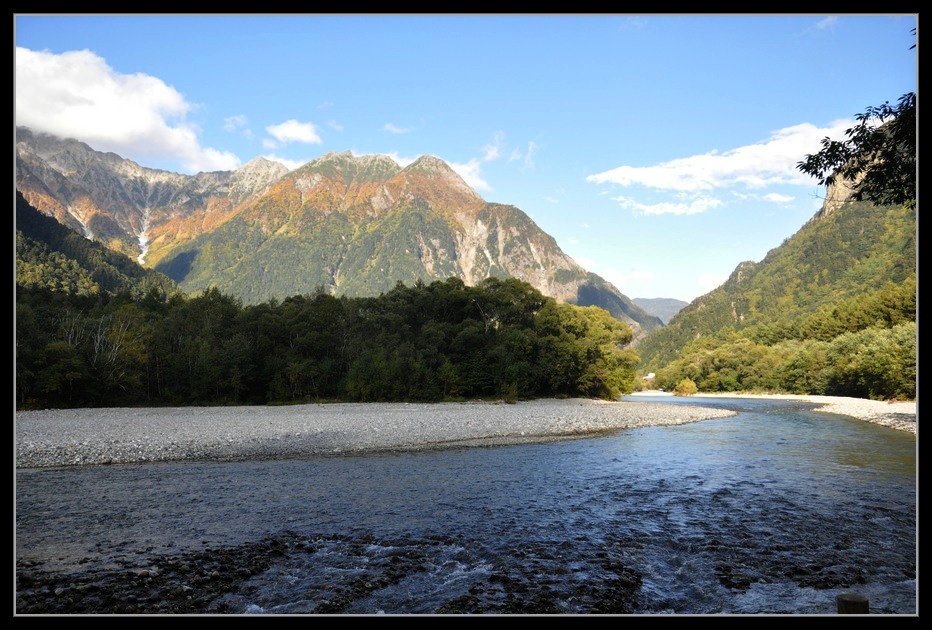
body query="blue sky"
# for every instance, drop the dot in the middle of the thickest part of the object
(658, 150)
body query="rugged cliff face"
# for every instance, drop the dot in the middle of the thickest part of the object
(130, 208)
(350, 225)
(837, 194)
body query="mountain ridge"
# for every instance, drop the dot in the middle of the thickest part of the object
(51, 256)
(353, 225)
(847, 252)
(664, 308)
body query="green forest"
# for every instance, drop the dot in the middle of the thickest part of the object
(832, 311)
(52, 256)
(875, 356)
(94, 329)
(444, 341)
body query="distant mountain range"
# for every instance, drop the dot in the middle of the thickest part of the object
(664, 308)
(344, 224)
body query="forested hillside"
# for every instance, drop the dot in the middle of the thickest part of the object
(830, 311)
(444, 341)
(354, 225)
(51, 256)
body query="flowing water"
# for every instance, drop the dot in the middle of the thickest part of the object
(776, 510)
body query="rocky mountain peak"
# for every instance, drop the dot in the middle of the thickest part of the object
(376, 159)
(348, 167)
(356, 224)
(256, 175)
(429, 163)
(66, 154)
(435, 168)
(333, 157)
(838, 193)
(260, 164)
(742, 272)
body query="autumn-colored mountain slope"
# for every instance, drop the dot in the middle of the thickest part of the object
(350, 225)
(132, 209)
(53, 257)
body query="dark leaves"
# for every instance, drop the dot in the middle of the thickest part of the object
(879, 156)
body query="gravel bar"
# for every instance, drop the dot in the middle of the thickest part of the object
(896, 414)
(75, 437)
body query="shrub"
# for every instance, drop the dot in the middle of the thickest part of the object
(686, 387)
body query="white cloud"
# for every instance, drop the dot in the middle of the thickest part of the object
(755, 166)
(268, 143)
(232, 123)
(529, 156)
(76, 94)
(293, 131)
(828, 23)
(551, 200)
(771, 197)
(778, 198)
(470, 172)
(335, 125)
(633, 22)
(494, 150)
(291, 164)
(695, 205)
(390, 128)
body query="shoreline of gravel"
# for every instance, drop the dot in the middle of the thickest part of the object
(900, 415)
(77, 437)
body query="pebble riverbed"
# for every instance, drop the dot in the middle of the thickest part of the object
(637, 523)
(74, 437)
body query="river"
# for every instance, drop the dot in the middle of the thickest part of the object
(774, 511)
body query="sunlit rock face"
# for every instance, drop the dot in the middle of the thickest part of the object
(347, 224)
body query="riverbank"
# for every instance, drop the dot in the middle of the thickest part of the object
(75, 437)
(632, 523)
(900, 415)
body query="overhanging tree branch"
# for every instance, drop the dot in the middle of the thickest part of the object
(878, 158)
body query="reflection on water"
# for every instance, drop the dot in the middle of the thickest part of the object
(776, 510)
